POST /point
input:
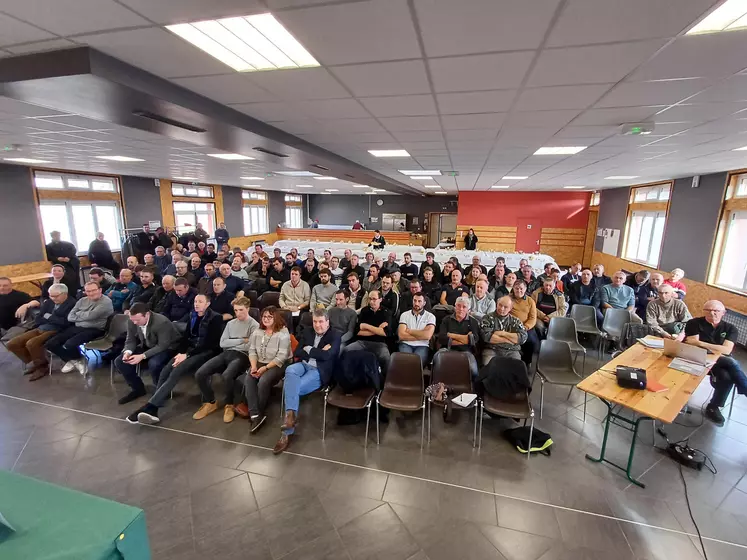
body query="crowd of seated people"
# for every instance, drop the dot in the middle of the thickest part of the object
(196, 321)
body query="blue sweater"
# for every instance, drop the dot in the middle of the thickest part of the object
(619, 297)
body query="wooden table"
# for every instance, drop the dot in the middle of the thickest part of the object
(664, 406)
(37, 279)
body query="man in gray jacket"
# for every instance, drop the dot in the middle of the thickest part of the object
(342, 318)
(90, 315)
(151, 339)
(232, 362)
(323, 294)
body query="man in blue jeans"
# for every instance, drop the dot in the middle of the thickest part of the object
(713, 334)
(318, 351)
(416, 327)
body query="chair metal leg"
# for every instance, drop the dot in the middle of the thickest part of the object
(377, 420)
(282, 402)
(422, 427)
(324, 417)
(428, 402)
(50, 358)
(542, 396)
(569, 393)
(583, 366)
(368, 418)
(474, 429)
(111, 372)
(585, 397)
(531, 431)
(733, 396)
(480, 409)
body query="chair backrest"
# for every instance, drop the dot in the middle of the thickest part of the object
(452, 369)
(405, 373)
(267, 299)
(288, 318)
(117, 326)
(562, 329)
(252, 295)
(585, 317)
(254, 313)
(555, 354)
(614, 322)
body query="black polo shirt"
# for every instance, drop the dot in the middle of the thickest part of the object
(450, 324)
(368, 316)
(282, 276)
(452, 294)
(710, 334)
(409, 271)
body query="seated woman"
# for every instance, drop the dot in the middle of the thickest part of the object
(269, 352)
(525, 310)
(472, 276)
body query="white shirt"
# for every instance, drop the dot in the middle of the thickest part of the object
(417, 323)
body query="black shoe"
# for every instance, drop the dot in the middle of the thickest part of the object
(714, 415)
(133, 418)
(255, 423)
(148, 415)
(132, 395)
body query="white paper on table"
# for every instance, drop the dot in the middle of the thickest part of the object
(464, 400)
(652, 342)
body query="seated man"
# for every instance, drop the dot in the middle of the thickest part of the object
(617, 296)
(203, 284)
(550, 303)
(229, 364)
(158, 301)
(667, 315)
(59, 276)
(399, 284)
(675, 280)
(547, 273)
(151, 338)
(195, 267)
(391, 264)
(335, 271)
(323, 294)
(509, 279)
(372, 281)
(183, 272)
(416, 327)
(452, 291)
(446, 274)
(342, 318)
(199, 342)
(179, 302)
(10, 302)
(476, 264)
(295, 294)
(221, 300)
(639, 283)
(372, 330)
(480, 302)
(502, 333)
(89, 316)
(431, 287)
(389, 298)
(176, 258)
(460, 332)
(144, 292)
(582, 293)
(234, 284)
(713, 334)
(599, 279)
(655, 281)
(358, 296)
(409, 270)
(161, 259)
(405, 299)
(278, 276)
(100, 277)
(318, 351)
(309, 270)
(345, 261)
(353, 266)
(572, 276)
(52, 319)
(432, 264)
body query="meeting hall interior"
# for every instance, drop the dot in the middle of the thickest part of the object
(373, 279)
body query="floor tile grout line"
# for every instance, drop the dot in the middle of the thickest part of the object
(18, 457)
(363, 467)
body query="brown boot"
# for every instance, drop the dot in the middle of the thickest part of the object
(290, 420)
(38, 374)
(282, 444)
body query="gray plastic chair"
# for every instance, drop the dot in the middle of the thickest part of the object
(586, 322)
(555, 366)
(564, 330)
(117, 327)
(614, 324)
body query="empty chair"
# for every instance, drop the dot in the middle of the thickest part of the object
(356, 400)
(288, 318)
(254, 314)
(117, 328)
(451, 369)
(564, 330)
(403, 389)
(614, 324)
(267, 299)
(555, 366)
(252, 295)
(586, 322)
(519, 407)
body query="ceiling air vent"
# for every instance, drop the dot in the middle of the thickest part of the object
(167, 120)
(270, 152)
(320, 167)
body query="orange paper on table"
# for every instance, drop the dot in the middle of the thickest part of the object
(655, 387)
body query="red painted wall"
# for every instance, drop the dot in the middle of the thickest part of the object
(554, 209)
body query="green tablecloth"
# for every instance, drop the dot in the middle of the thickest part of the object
(57, 523)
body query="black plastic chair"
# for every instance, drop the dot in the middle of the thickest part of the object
(452, 369)
(267, 299)
(403, 388)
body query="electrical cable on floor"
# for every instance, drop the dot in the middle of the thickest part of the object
(690, 511)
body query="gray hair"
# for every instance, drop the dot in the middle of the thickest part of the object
(321, 313)
(58, 288)
(464, 300)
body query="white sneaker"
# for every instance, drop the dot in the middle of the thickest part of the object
(81, 366)
(68, 367)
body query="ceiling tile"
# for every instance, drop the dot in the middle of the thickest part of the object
(180, 11)
(701, 112)
(333, 109)
(230, 88)
(475, 102)
(731, 89)
(713, 55)
(467, 134)
(400, 106)
(590, 65)
(300, 83)
(157, 51)
(355, 32)
(545, 119)
(69, 17)
(560, 97)
(386, 78)
(606, 21)
(14, 31)
(493, 26)
(410, 123)
(353, 125)
(272, 111)
(481, 120)
(617, 116)
(42, 46)
(636, 94)
(418, 135)
(480, 72)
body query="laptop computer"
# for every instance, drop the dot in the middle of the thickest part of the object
(687, 358)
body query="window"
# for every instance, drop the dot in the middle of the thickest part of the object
(293, 198)
(594, 199)
(196, 191)
(646, 222)
(46, 180)
(293, 217)
(188, 214)
(255, 219)
(79, 221)
(729, 260)
(253, 195)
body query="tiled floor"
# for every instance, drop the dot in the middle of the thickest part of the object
(212, 489)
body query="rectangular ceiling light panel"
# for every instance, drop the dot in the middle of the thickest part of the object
(247, 44)
(729, 16)
(559, 150)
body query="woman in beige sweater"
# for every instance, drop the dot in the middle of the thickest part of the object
(269, 350)
(525, 310)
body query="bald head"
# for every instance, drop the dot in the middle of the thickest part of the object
(713, 310)
(503, 306)
(656, 280)
(665, 292)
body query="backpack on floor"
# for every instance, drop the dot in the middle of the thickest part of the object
(519, 438)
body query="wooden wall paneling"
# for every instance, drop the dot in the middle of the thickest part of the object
(167, 208)
(218, 195)
(343, 236)
(21, 269)
(490, 238)
(77, 195)
(591, 232)
(565, 245)
(246, 242)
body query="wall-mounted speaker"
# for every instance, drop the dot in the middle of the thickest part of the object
(696, 182)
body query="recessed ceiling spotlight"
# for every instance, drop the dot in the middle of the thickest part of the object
(26, 160)
(246, 44)
(432, 186)
(621, 177)
(119, 158)
(253, 178)
(729, 16)
(574, 187)
(361, 187)
(559, 150)
(389, 153)
(515, 177)
(231, 157)
(500, 187)
(332, 190)
(419, 172)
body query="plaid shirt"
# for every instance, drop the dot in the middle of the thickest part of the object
(493, 322)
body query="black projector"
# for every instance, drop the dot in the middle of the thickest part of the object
(630, 377)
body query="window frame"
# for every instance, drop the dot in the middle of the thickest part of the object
(67, 178)
(69, 204)
(212, 208)
(595, 199)
(659, 204)
(733, 202)
(210, 195)
(257, 201)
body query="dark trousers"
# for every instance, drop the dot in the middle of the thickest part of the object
(379, 349)
(725, 374)
(171, 375)
(154, 364)
(65, 344)
(229, 364)
(257, 390)
(530, 346)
